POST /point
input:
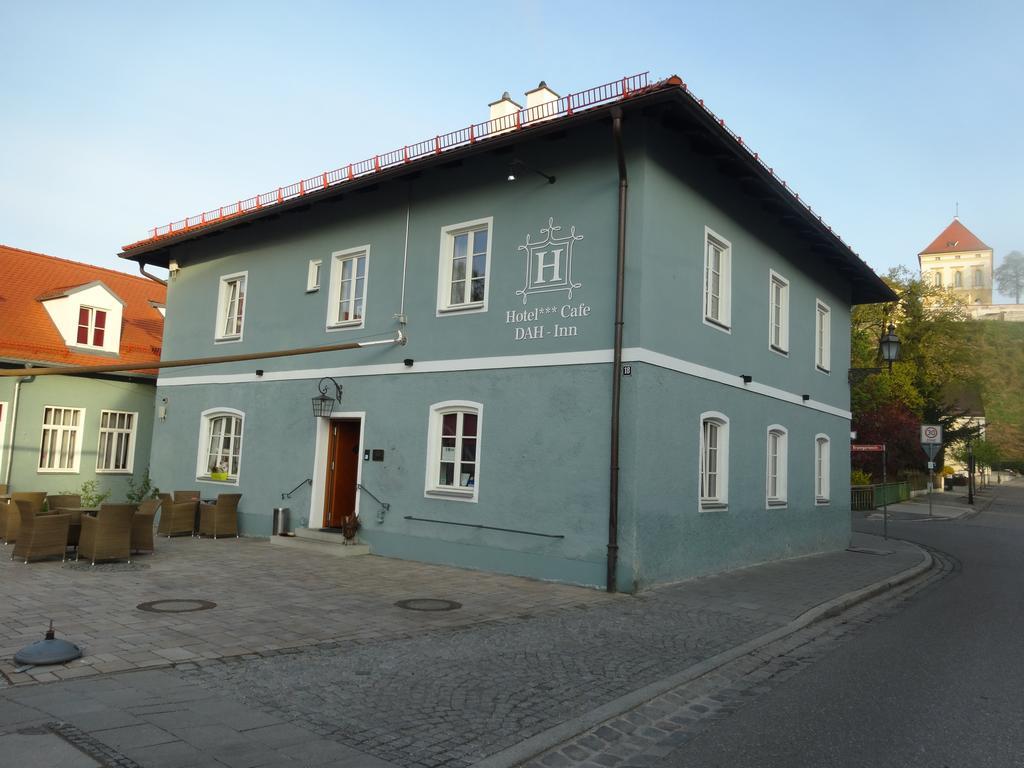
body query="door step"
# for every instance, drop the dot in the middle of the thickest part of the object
(325, 542)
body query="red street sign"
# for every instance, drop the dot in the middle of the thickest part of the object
(867, 447)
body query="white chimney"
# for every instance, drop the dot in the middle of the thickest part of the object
(541, 103)
(503, 108)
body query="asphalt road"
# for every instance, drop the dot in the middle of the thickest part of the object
(938, 684)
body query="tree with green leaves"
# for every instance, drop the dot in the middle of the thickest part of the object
(935, 357)
(1010, 275)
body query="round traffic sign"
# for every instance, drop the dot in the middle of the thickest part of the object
(931, 432)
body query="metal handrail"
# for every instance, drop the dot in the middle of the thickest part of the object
(293, 490)
(564, 106)
(384, 506)
(486, 527)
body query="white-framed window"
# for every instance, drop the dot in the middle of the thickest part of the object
(3, 431)
(61, 445)
(313, 275)
(464, 266)
(938, 279)
(822, 462)
(346, 302)
(778, 311)
(453, 451)
(776, 466)
(92, 326)
(714, 460)
(116, 449)
(220, 445)
(822, 337)
(717, 280)
(231, 307)
(958, 279)
(979, 279)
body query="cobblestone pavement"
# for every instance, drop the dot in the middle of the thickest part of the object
(648, 734)
(452, 698)
(267, 598)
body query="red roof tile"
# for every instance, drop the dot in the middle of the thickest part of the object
(954, 239)
(28, 334)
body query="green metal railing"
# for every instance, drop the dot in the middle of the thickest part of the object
(868, 497)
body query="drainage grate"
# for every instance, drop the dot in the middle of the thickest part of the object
(85, 565)
(428, 604)
(176, 606)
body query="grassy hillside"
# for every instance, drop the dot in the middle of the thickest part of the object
(998, 356)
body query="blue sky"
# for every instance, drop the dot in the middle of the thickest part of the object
(120, 116)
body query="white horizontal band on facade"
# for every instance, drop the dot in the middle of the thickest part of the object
(554, 359)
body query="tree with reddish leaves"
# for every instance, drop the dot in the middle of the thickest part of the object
(899, 428)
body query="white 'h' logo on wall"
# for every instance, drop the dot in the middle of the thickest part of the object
(549, 262)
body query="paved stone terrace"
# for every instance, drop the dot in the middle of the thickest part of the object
(306, 660)
(268, 598)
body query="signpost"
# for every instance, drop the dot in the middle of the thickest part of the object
(931, 442)
(880, 448)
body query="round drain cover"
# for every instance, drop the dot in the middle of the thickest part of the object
(428, 604)
(49, 651)
(176, 606)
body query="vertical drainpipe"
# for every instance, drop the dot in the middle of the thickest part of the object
(620, 276)
(9, 453)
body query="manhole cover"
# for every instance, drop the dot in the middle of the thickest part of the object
(176, 606)
(428, 604)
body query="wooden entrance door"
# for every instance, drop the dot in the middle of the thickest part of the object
(342, 470)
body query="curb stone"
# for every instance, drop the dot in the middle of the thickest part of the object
(541, 742)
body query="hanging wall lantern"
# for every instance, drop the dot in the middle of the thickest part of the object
(323, 405)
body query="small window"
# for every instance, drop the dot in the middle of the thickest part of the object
(823, 337)
(776, 467)
(465, 264)
(116, 450)
(61, 444)
(453, 455)
(979, 279)
(347, 301)
(313, 276)
(822, 446)
(938, 279)
(714, 461)
(231, 307)
(92, 325)
(220, 445)
(958, 279)
(717, 279)
(778, 325)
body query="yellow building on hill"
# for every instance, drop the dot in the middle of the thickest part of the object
(959, 260)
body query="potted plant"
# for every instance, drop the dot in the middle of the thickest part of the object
(218, 472)
(349, 526)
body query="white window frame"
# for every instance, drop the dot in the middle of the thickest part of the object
(979, 278)
(3, 430)
(113, 432)
(958, 279)
(778, 499)
(720, 500)
(313, 275)
(76, 430)
(338, 258)
(937, 278)
(432, 488)
(723, 321)
(822, 336)
(778, 315)
(90, 341)
(223, 288)
(444, 266)
(203, 450)
(822, 469)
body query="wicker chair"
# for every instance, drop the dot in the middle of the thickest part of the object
(177, 519)
(10, 518)
(57, 503)
(41, 536)
(3, 488)
(220, 519)
(142, 526)
(108, 536)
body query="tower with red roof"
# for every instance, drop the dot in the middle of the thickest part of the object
(959, 260)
